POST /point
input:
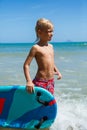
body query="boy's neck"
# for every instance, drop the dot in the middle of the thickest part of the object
(43, 43)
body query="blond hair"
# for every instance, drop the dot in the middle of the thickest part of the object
(42, 24)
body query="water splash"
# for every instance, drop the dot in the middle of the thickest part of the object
(71, 114)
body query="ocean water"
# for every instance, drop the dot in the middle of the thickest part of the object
(70, 91)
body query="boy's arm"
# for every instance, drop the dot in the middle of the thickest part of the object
(29, 84)
(57, 72)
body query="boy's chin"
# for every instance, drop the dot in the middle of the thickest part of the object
(49, 39)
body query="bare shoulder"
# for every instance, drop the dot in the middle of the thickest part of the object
(33, 50)
(35, 47)
(50, 45)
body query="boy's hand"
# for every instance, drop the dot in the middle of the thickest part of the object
(59, 75)
(30, 87)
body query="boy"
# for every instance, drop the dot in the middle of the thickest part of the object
(43, 53)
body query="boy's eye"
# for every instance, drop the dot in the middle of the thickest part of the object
(49, 31)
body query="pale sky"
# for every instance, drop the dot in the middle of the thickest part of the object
(18, 19)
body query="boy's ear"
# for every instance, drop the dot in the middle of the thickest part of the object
(39, 31)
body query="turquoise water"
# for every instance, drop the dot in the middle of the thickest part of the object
(70, 91)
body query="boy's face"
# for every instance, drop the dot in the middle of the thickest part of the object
(46, 34)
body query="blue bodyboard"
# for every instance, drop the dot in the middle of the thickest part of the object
(19, 109)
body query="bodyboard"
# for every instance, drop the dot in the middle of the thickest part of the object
(19, 109)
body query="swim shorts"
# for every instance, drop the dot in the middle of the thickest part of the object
(46, 84)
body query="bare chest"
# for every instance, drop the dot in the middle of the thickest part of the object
(45, 52)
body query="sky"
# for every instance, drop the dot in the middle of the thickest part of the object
(18, 19)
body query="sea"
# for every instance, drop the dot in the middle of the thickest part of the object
(70, 91)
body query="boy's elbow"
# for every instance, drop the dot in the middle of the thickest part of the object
(25, 66)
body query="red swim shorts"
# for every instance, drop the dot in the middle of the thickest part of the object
(46, 84)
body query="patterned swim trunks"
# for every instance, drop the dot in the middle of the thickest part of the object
(46, 84)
